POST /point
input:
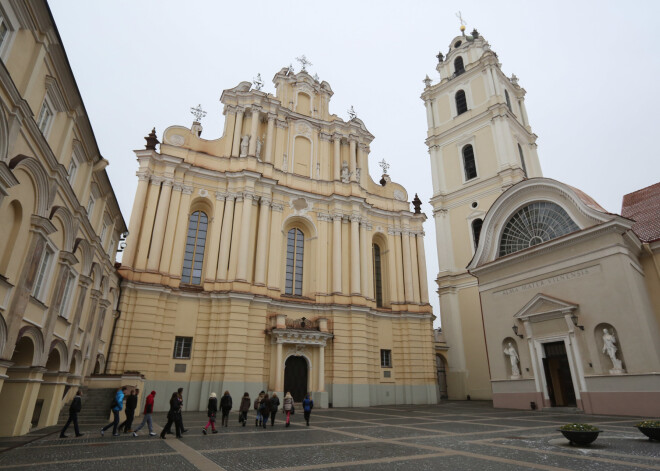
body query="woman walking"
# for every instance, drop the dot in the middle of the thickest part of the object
(308, 405)
(225, 405)
(257, 405)
(274, 404)
(288, 407)
(173, 416)
(212, 410)
(265, 409)
(244, 408)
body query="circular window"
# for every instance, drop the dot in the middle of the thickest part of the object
(458, 43)
(475, 204)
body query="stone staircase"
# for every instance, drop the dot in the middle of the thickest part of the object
(95, 406)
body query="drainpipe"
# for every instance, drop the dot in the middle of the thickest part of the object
(114, 328)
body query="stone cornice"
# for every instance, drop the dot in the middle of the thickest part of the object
(300, 337)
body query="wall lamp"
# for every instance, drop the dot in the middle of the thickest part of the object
(515, 331)
(574, 318)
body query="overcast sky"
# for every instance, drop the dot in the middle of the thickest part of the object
(590, 69)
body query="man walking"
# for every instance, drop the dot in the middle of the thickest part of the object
(131, 405)
(116, 406)
(74, 408)
(148, 410)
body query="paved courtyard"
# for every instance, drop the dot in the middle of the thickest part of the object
(449, 436)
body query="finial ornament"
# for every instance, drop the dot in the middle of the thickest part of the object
(258, 83)
(289, 70)
(316, 77)
(304, 62)
(198, 112)
(351, 113)
(427, 82)
(152, 140)
(514, 79)
(463, 23)
(440, 57)
(384, 165)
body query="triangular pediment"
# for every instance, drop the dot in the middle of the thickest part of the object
(542, 307)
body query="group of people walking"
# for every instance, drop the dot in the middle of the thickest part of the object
(264, 406)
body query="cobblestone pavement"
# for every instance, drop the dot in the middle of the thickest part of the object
(448, 436)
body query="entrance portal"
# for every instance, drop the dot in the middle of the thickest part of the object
(558, 375)
(295, 377)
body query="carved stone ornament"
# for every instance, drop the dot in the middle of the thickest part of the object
(399, 195)
(203, 193)
(176, 140)
(300, 206)
(303, 129)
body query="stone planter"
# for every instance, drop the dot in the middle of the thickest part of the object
(579, 437)
(652, 432)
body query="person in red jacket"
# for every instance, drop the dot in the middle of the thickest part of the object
(148, 410)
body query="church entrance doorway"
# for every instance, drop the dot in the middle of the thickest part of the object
(558, 375)
(295, 377)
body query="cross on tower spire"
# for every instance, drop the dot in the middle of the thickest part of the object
(198, 112)
(304, 62)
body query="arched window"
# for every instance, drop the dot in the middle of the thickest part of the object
(508, 100)
(458, 66)
(535, 224)
(461, 102)
(294, 262)
(522, 160)
(195, 243)
(378, 275)
(476, 231)
(469, 165)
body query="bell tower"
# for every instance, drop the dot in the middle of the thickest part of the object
(480, 143)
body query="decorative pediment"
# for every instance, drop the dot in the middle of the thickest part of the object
(300, 337)
(543, 307)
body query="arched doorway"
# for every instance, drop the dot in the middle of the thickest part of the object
(295, 377)
(441, 367)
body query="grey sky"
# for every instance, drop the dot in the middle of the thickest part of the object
(589, 67)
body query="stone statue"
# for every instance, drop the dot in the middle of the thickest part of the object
(513, 358)
(258, 151)
(417, 204)
(609, 347)
(245, 142)
(358, 174)
(345, 173)
(284, 163)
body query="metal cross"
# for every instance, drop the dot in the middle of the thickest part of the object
(460, 18)
(304, 62)
(258, 83)
(384, 165)
(198, 112)
(351, 113)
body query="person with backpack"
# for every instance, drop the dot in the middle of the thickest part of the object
(244, 408)
(74, 408)
(225, 405)
(257, 404)
(308, 405)
(212, 410)
(116, 406)
(274, 404)
(131, 405)
(288, 408)
(148, 410)
(264, 408)
(173, 416)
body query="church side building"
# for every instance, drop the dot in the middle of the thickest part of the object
(268, 259)
(60, 227)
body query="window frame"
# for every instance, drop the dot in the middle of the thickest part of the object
(475, 237)
(42, 280)
(463, 163)
(377, 261)
(456, 96)
(91, 202)
(7, 18)
(44, 123)
(180, 343)
(386, 358)
(459, 71)
(294, 262)
(190, 278)
(67, 294)
(522, 160)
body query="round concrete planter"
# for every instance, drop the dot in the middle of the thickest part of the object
(580, 438)
(652, 432)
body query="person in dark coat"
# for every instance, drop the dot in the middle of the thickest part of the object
(244, 408)
(179, 393)
(257, 408)
(74, 408)
(225, 405)
(131, 405)
(274, 404)
(212, 410)
(173, 416)
(308, 405)
(116, 407)
(265, 409)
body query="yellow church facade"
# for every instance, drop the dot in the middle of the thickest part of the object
(268, 259)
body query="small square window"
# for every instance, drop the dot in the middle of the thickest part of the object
(182, 347)
(387, 374)
(45, 117)
(386, 358)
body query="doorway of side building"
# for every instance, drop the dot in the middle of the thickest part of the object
(295, 377)
(441, 369)
(558, 375)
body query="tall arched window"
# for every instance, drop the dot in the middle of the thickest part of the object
(461, 102)
(522, 160)
(476, 231)
(194, 257)
(459, 68)
(508, 100)
(378, 275)
(469, 165)
(294, 262)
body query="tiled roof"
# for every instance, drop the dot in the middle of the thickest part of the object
(643, 207)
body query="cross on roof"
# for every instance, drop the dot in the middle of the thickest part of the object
(384, 165)
(258, 83)
(198, 112)
(304, 62)
(460, 18)
(351, 113)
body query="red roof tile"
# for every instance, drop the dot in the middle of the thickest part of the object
(643, 207)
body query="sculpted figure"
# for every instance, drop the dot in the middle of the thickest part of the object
(245, 141)
(345, 173)
(258, 151)
(513, 358)
(609, 347)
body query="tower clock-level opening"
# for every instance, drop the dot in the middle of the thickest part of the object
(295, 377)
(558, 375)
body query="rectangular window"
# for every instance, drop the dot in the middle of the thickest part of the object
(386, 358)
(42, 273)
(4, 30)
(73, 169)
(182, 347)
(90, 206)
(104, 231)
(66, 296)
(45, 117)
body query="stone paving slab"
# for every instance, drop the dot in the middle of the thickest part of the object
(155, 462)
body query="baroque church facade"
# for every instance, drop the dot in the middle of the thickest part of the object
(546, 299)
(268, 259)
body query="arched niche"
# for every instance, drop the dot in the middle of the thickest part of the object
(35, 345)
(303, 103)
(302, 156)
(13, 219)
(607, 344)
(509, 348)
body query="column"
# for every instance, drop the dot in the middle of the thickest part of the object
(159, 225)
(364, 247)
(336, 160)
(355, 255)
(415, 269)
(254, 129)
(336, 253)
(214, 236)
(429, 114)
(268, 156)
(421, 263)
(225, 238)
(236, 146)
(262, 241)
(244, 245)
(321, 368)
(352, 157)
(275, 265)
(362, 160)
(323, 262)
(170, 229)
(148, 222)
(181, 232)
(278, 371)
(391, 268)
(398, 266)
(136, 219)
(407, 266)
(370, 265)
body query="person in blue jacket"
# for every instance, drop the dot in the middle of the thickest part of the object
(308, 405)
(116, 406)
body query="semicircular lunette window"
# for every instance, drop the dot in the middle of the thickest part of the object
(534, 224)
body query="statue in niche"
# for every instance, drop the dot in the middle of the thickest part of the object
(358, 174)
(284, 163)
(513, 358)
(609, 347)
(258, 151)
(245, 142)
(318, 171)
(345, 173)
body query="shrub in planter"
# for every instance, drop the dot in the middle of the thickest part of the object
(650, 428)
(580, 434)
